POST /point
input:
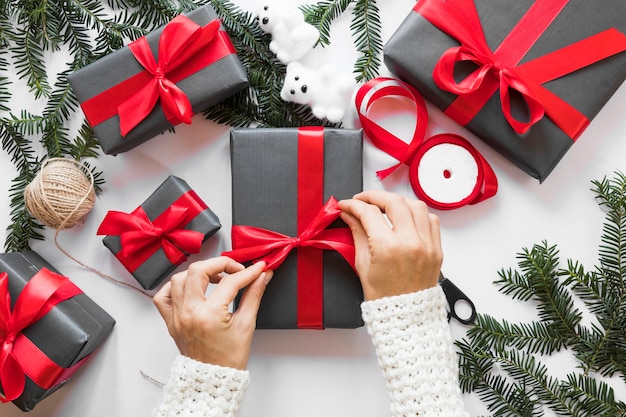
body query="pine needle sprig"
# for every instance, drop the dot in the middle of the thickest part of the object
(366, 30)
(28, 56)
(5, 83)
(499, 358)
(322, 14)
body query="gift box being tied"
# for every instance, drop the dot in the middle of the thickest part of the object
(159, 81)
(161, 233)
(526, 77)
(283, 184)
(48, 328)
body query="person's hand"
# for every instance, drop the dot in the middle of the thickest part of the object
(202, 326)
(397, 242)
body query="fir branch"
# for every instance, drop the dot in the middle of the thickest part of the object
(5, 93)
(366, 30)
(322, 14)
(599, 348)
(27, 53)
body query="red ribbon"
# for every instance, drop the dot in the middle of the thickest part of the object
(500, 69)
(140, 237)
(410, 154)
(257, 244)
(19, 357)
(184, 49)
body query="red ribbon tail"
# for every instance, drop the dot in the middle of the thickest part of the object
(137, 107)
(175, 103)
(13, 380)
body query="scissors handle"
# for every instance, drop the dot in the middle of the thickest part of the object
(453, 295)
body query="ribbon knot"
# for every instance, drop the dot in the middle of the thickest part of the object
(159, 73)
(257, 244)
(180, 40)
(7, 343)
(140, 237)
(295, 242)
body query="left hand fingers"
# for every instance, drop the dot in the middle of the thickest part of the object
(228, 288)
(163, 302)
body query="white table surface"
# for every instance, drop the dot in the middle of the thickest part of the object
(305, 372)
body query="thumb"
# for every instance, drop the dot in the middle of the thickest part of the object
(251, 298)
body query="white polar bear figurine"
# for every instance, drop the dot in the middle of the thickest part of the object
(326, 91)
(292, 37)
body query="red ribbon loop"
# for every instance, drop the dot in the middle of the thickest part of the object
(257, 244)
(17, 356)
(411, 153)
(140, 237)
(500, 69)
(180, 40)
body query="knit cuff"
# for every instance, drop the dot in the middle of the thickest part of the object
(201, 389)
(412, 339)
(430, 302)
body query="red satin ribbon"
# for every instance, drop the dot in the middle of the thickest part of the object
(19, 357)
(500, 69)
(410, 153)
(184, 49)
(257, 244)
(140, 238)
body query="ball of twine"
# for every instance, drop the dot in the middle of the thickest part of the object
(61, 194)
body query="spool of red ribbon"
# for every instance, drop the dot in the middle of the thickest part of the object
(445, 170)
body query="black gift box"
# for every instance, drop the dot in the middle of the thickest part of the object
(264, 165)
(414, 49)
(156, 268)
(66, 334)
(205, 88)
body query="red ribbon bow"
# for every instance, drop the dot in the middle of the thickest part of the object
(411, 153)
(181, 39)
(140, 237)
(18, 356)
(254, 243)
(500, 69)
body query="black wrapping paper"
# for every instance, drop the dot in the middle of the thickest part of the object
(66, 334)
(152, 272)
(205, 88)
(264, 192)
(417, 45)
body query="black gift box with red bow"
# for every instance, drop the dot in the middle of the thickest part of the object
(414, 50)
(269, 188)
(157, 245)
(215, 74)
(66, 335)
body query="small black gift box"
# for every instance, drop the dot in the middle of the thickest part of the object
(168, 226)
(279, 177)
(204, 78)
(56, 344)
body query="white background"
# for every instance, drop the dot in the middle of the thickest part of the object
(304, 372)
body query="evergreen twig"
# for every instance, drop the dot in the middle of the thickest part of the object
(516, 349)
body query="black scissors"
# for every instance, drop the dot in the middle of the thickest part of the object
(453, 295)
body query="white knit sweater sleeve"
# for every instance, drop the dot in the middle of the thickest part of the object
(415, 352)
(196, 389)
